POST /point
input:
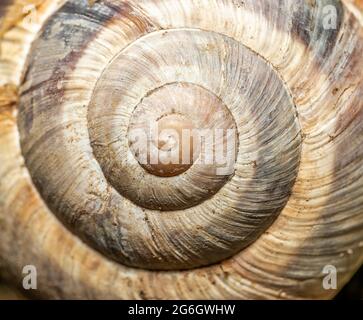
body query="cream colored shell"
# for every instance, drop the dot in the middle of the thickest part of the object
(73, 76)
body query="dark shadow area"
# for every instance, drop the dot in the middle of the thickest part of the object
(354, 289)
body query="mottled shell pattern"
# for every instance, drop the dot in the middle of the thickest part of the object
(283, 78)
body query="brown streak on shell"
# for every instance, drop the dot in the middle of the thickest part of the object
(12, 12)
(8, 101)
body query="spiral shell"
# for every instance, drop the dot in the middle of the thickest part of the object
(78, 202)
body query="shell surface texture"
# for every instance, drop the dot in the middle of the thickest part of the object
(195, 149)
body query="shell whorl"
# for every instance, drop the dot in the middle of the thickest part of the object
(291, 201)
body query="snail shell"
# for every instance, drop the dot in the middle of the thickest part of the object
(78, 202)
